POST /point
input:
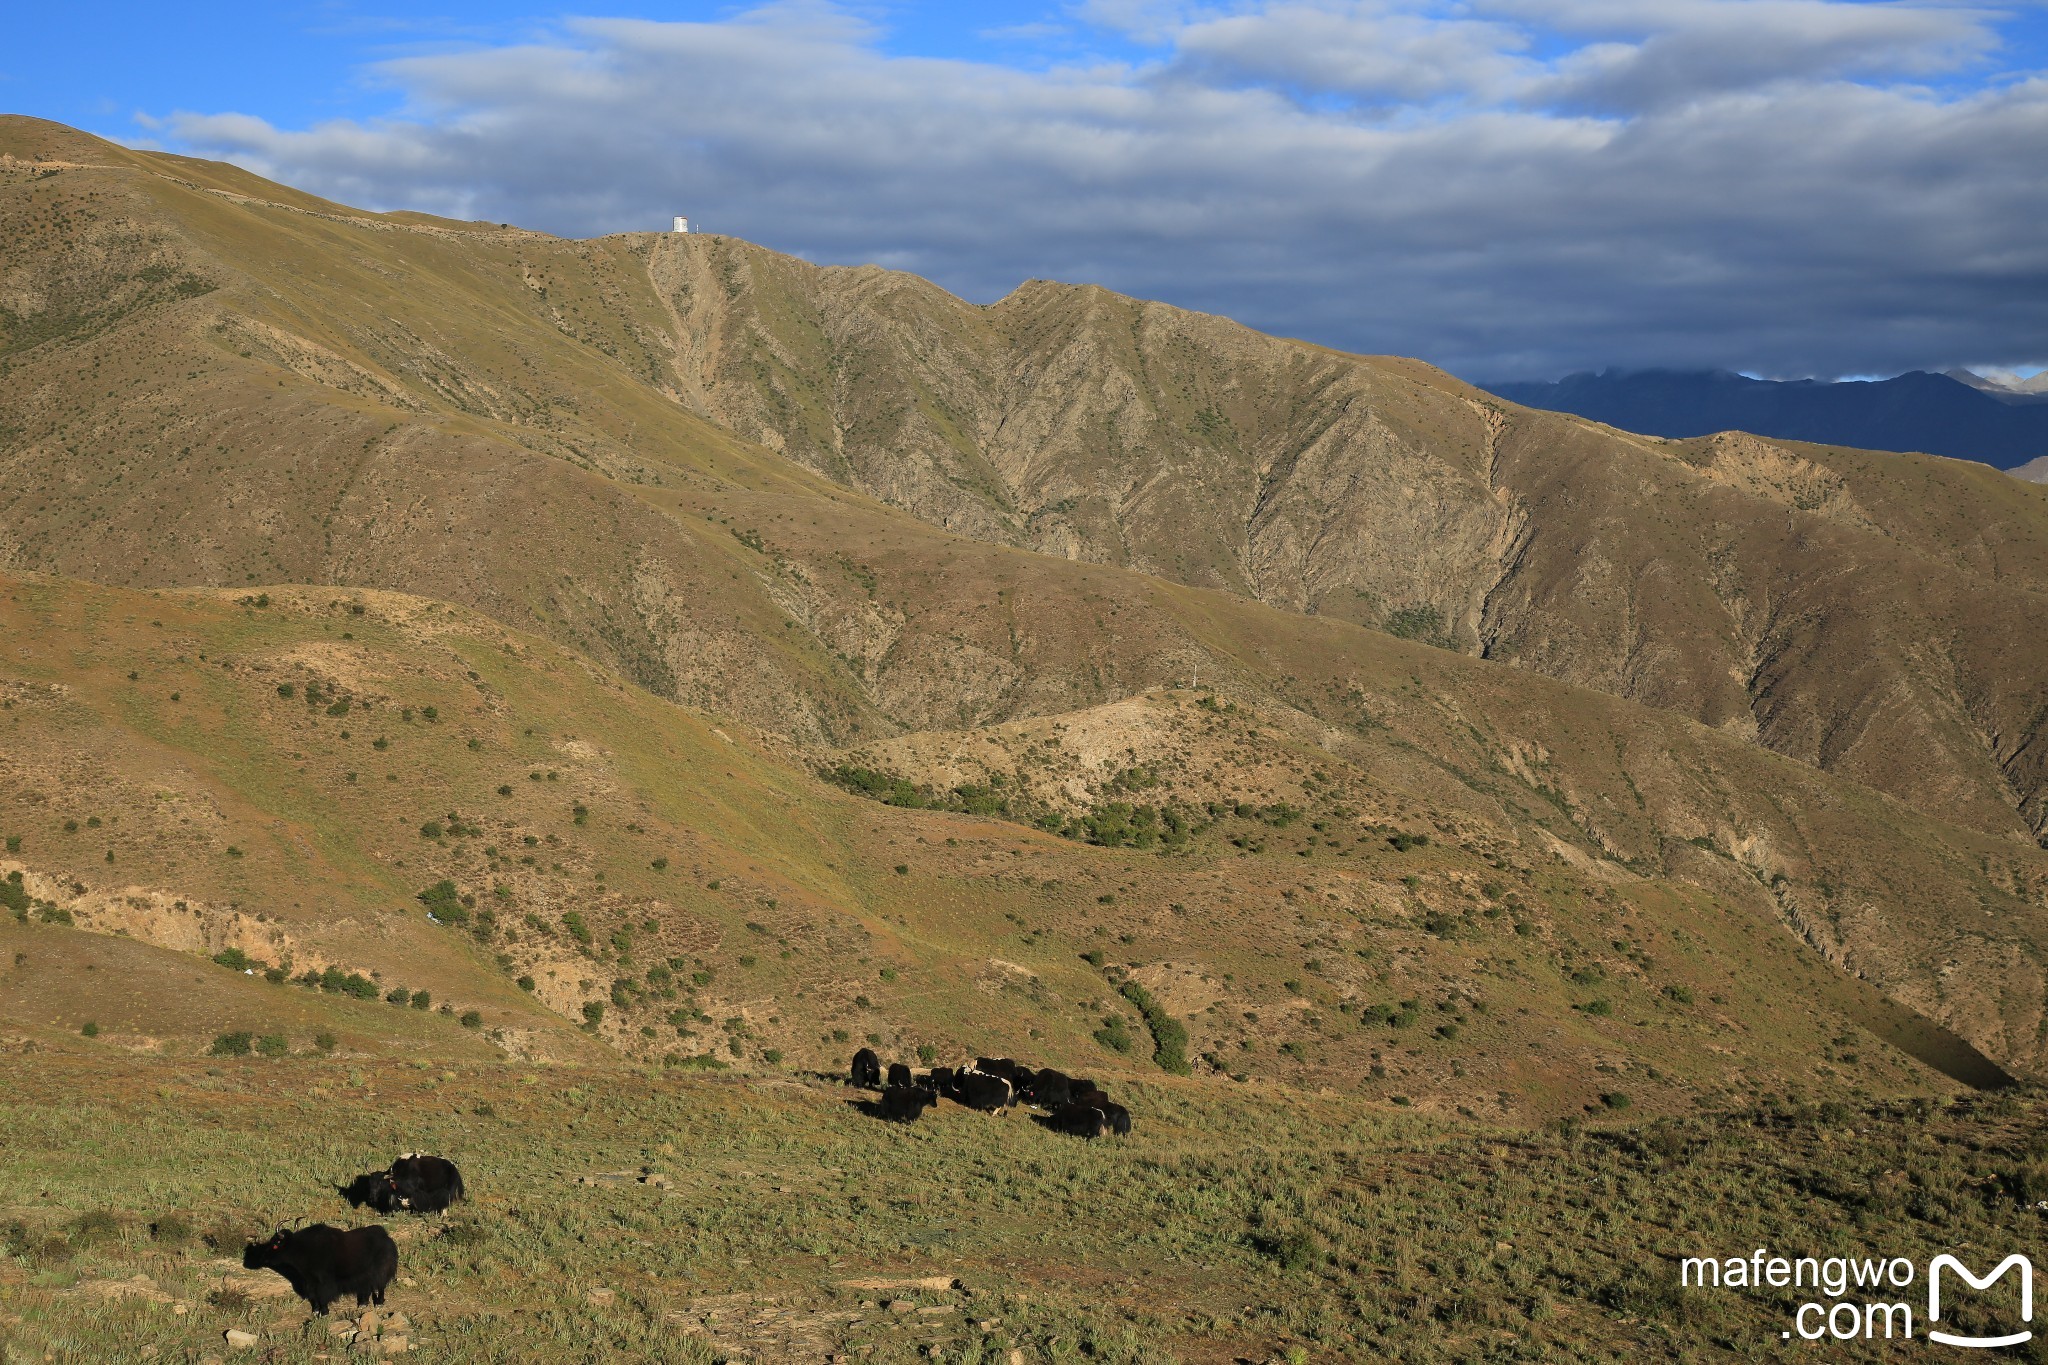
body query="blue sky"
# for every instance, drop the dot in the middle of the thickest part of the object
(1510, 188)
(298, 64)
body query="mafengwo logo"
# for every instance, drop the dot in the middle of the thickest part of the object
(1871, 1299)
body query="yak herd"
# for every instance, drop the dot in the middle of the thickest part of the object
(324, 1264)
(991, 1085)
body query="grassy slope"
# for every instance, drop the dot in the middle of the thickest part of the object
(1226, 1228)
(1271, 941)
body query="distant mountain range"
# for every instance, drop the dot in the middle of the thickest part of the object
(2001, 421)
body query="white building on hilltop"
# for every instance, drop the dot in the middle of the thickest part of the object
(682, 224)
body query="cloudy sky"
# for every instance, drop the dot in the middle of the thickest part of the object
(1509, 188)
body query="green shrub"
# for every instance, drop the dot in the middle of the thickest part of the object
(1615, 1099)
(14, 843)
(578, 930)
(1115, 1034)
(325, 1041)
(1598, 1007)
(1169, 1036)
(234, 959)
(526, 983)
(90, 1029)
(236, 1044)
(927, 1054)
(422, 1000)
(773, 1056)
(273, 1045)
(472, 1019)
(399, 995)
(593, 1013)
(442, 899)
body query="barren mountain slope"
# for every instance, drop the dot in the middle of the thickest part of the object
(216, 380)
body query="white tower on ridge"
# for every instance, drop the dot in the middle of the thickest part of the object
(682, 223)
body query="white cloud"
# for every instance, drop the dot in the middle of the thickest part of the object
(1764, 184)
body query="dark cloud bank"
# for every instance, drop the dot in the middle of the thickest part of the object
(1795, 187)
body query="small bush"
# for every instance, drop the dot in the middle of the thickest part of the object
(422, 1000)
(236, 1044)
(399, 995)
(89, 1029)
(273, 1045)
(579, 930)
(472, 1019)
(234, 959)
(325, 1041)
(93, 1226)
(526, 983)
(593, 1013)
(1615, 1099)
(171, 1231)
(773, 1056)
(1115, 1034)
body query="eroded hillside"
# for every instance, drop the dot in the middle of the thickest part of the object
(221, 381)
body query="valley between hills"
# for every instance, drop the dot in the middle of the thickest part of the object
(556, 697)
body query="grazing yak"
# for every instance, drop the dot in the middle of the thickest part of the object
(1118, 1118)
(323, 1263)
(867, 1070)
(371, 1189)
(1087, 1093)
(425, 1184)
(1050, 1089)
(996, 1066)
(1081, 1120)
(899, 1076)
(903, 1103)
(940, 1079)
(416, 1182)
(976, 1090)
